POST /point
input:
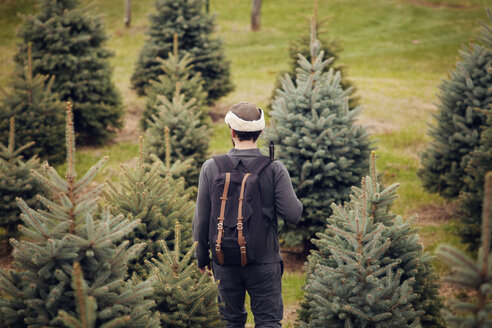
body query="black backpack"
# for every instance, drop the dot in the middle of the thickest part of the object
(237, 229)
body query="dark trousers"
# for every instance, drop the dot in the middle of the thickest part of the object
(263, 282)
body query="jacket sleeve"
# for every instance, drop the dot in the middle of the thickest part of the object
(287, 205)
(201, 219)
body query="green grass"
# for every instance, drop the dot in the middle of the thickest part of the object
(396, 51)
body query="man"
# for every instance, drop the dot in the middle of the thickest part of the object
(262, 279)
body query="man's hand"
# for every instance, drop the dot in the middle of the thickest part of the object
(204, 269)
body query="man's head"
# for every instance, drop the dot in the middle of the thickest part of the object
(246, 121)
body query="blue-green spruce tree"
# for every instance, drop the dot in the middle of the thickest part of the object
(317, 138)
(71, 230)
(369, 269)
(458, 123)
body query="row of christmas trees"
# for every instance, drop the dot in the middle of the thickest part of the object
(81, 263)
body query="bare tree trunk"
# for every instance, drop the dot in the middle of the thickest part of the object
(128, 12)
(255, 15)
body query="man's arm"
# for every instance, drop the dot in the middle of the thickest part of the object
(201, 219)
(287, 205)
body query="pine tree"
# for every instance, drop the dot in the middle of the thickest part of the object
(71, 230)
(473, 275)
(86, 306)
(185, 297)
(331, 266)
(15, 181)
(176, 70)
(38, 113)
(155, 200)
(332, 48)
(189, 137)
(67, 42)
(457, 132)
(194, 28)
(317, 139)
(471, 200)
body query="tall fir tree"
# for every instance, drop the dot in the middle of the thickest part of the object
(318, 140)
(331, 266)
(332, 48)
(38, 114)
(157, 201)
(71, 230)
(15, 181)
(472, 199)
(194, 29)
(189, 137)
(457, 132)
(185, 298)
(67, 42)
(177, 69)
(475, 276)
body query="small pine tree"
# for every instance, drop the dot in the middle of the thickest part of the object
(38, 114)
(318, 140)
(471, 199)
(71, 230)
(332, 48)
(15, 181)
(403, 252)
(194, 28)
(473, 275)
(176, 70)
(189, 138)
(185, 298)
(67, 42)
(157, 202)
(457, 132)
(86, 306)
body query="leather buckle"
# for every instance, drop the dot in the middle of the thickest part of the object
(220, 226)
(217, 248)
(239, 226)
(243, 249)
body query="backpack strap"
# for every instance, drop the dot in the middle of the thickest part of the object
(258, 164)
(224, 163)
(220, 224)
(240, 237)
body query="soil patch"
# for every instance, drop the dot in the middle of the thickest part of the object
(436, 214)
(131, 128)
(218, 111)
(294, 259)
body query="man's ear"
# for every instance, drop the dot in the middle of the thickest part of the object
(233, 134)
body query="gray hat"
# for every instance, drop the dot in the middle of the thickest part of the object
(245, 117)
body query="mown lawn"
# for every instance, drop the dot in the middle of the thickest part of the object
(396, 51)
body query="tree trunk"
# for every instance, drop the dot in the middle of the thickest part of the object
(255, 15)
(128, 12)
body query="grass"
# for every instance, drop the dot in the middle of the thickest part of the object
(397, 52)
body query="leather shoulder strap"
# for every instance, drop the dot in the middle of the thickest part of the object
(224, 163)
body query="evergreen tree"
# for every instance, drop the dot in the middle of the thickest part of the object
(457, 132)
(176, 70)
(473, 275)
(471, 200)
(403, 253)
(189, 137)
(38, 113)
(194, 28)
(86, 306)
(71, 230)
(318, 140)
(67, 42)
(15, 181)
(332, 48)
(185, 297)
(155, 200)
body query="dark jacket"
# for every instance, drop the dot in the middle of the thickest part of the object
(277, 198)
